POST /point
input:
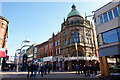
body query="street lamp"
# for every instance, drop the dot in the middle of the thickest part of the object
(76, 50)
(25, 41)
(17, 58)
(68, 60)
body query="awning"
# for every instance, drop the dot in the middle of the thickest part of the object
(46, 59)
(81, 58)
(41, 59)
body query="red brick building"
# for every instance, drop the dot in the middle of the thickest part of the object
(74, 44)
(3, 38)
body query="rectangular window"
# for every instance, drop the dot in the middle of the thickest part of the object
(118, 30)
(105, 17)
(101, 19)
(115, 11)
(110, 37)
(98, 40)
(66, 42)
(110, 15)
(81, 38)
(119, 9)
(70, 39)
(58, 42)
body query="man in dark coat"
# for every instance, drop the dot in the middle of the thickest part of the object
(42, 69)
(87, 70)
(46, 67)
(77, 69)
(95, 69)
(35, 69)
(91, 71)
(49, 68)
(28, 69)
(84, 70)
(31, 70)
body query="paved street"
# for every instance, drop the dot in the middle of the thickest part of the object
(52, 76)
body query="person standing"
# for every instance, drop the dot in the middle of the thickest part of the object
(31, 70)
(35, 69)
(46, 67)
(68, 68)
(84, 70)
(87, 70)
(77, 69)
(28, 69)
(95, 69)
(49, 68)
(91, 71)
(42, 70)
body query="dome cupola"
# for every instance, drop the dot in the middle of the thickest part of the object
(74, 17)
(73, 12)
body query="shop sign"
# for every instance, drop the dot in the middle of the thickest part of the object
(2, 52)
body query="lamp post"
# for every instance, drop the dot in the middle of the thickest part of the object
(16, 55)
(76, 50)
(69, 60)
(25, 41)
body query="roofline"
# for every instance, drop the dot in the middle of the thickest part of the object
(103, 6)
(3, 18)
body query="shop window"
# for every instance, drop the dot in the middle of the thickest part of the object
(101, 19)
(76, 37)
(114, 64)
(115, 11)
(105, 17)
(110, 15)
(110, 37)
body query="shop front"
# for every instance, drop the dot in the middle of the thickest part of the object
(114, 64)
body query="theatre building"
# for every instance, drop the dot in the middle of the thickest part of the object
(107, 21)
(74, 44)
(3, 39)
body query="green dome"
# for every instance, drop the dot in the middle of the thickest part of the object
(74, 11)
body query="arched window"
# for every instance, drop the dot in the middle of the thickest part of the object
(76, 37)
(87, 40)
(90, 41)
(81, 38)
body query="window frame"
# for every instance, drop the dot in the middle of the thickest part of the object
(107, 32)
(105, 16)
(116, 14)
(101, 19)
(76, 37)
(110, 13)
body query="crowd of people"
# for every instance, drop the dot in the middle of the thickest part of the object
(88, 70)
(42, 69)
